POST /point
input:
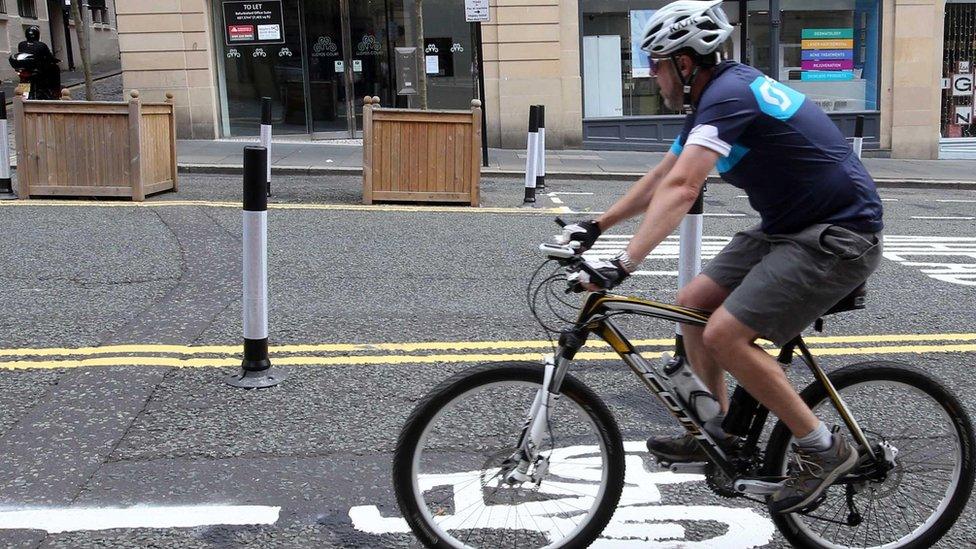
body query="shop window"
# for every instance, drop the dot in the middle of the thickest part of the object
(448, 58)
(616, 75)
(3, 6)
(27, 9)
(98, 11)
(829, 51)
(958, 68)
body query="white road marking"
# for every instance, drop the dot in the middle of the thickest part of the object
(742, 196)
(57, 520)
(957, 250)
(956, 201)
(889, 200)
(639, 521)
(946, 218)
(555, 200)
(571, 193)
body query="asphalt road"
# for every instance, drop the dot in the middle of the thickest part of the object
(119, 322)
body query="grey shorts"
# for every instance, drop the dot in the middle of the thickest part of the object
(781, 283)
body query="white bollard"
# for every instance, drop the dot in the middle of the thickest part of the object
(6, 190)
(689, 256)
(540, 177)
(859, 135)
(266, 135)
(531, 156)
(256, 368)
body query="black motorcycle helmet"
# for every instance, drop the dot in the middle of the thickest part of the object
(32, 33)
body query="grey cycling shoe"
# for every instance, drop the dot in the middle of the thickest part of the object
(682, 448)
(814, 473)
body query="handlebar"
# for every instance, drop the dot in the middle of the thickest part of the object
(571, 259)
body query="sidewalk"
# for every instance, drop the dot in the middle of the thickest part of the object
(304, 157)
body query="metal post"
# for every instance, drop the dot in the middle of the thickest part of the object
(6, 190)
(531, 156)
(689, 257)
(774, 35)
(859, 135)
(256, 369)
(481, 95)
(540, 177)
(266, 134)
(65, 17)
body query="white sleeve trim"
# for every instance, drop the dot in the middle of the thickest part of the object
(706, 135)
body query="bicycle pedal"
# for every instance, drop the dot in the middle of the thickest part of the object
(688, 468)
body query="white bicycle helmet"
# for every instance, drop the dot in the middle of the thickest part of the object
(701, 26)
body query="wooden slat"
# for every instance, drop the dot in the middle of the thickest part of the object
(74, 190)
(422, 196)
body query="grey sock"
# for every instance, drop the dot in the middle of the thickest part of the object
(817, 440)
(714, 427)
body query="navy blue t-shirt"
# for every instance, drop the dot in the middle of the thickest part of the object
(783, 151)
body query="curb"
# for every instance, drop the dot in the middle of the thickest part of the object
(228, 169)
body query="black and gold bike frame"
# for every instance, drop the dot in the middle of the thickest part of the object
(595, 317)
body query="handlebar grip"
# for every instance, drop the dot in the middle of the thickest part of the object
(560, 222)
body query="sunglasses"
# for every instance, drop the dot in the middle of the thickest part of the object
(655, 65)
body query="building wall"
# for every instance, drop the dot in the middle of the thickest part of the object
(532, 57)
(916, 73)
(104, 36)
(166, 46)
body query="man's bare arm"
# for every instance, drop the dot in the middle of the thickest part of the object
(639, 196)
(672, 199)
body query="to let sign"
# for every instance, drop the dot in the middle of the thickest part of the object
(253, 23)
(476, 11)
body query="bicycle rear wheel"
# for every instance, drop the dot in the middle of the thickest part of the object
(913, 504)
(451, 459)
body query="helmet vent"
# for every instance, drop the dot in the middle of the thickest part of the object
(677, 35)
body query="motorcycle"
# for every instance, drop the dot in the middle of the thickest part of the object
(38, 80)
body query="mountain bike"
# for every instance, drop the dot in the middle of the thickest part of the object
(522, 454)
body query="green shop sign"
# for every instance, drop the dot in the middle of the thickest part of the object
(827, 33)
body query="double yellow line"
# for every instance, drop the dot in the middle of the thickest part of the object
(355, 354)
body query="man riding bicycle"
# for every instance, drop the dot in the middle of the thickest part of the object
(819, 236)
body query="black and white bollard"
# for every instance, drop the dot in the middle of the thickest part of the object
(266, 134)
(689, 256)
(256, 369)
(858, 135)
(531, 156)
(6, 189)
(540, 176)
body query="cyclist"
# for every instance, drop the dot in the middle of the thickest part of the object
(818, 240)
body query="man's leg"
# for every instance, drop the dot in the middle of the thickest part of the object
(757, 371)
(704, 293)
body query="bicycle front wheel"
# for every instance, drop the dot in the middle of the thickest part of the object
(908, 414)
(456, 449)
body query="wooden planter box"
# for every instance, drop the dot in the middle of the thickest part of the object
(89, 148)
(421, 156)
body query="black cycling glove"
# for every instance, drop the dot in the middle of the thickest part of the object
(580, 235)
(612, 271)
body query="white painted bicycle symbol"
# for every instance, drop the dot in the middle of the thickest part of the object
(639, 521)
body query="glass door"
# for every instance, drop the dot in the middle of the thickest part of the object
(348, 59)
(369, 55)
(326, 68)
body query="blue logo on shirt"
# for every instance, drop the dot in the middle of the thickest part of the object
(775, 99)
(735, 155)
